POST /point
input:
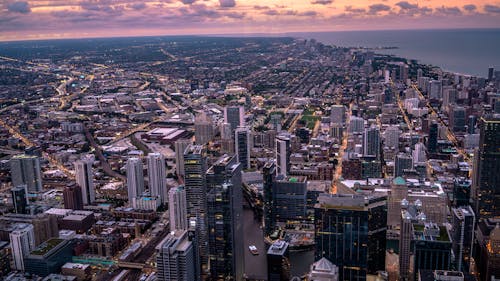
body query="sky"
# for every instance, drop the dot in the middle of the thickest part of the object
(43, 19)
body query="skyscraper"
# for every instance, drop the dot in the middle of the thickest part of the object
(278, 264)
(337, 114)
(72, 196)
(463, 225)
(224, 217)
(22, 241)
(283, 152)
(433, 138)
(203, 129)
(176, 258)
(391, 136)
(269, 175)
(85, 179)
(157, 176)
(19, 199)
(195, 169)
(177, 208)
(486, 179)
(25, 169)
(234, 115)
(356, 124)
(242, 146)
(402, 162)
(457, 118)
(418, 154)
(135, 179)
(180, 147)
(371, 142)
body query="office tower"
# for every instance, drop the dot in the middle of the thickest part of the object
(269, 175)
(461, 192)
(435, 89)
(180, 147)
(203, 129)
(449, 97)
(224, 217)
(418, 154)
(289, 198)
(25, 170)
(323, 270)
(85, 179)
(195, 184)
(225, 131)
(371, 142)
(405, 238)
(457, 117)
(135, 179)
(283, 152)
(49, 257)
(177, 208)
(402, 162)
(356, 124)
(5, 257)
(343, 230)
(471, 124)
(371, 168)
(19, 199)
(398, 192)
(278, 265)
(176, 258)
(486, 178)
(45, 226)
(242, 146)
(391, 136)
(337, 114)
(72, 196)
(491, 72)
(433, 138)
(22, 241)
(157, 176)
(463, 223)
(235, 116)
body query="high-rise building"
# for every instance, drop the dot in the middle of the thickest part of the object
(269, 175)
(25, 170)
(289, 198)
(225, 131)
(242, 146)
(433, 138)
(491, 72)
(72, 196)
(457, 118)
(337, 114)
(22, 241)
(278, 264)
(485, 182)
(323, 270)
(203, 129)
(461, 192)
(356, 124)
(371, 142)
(471, 124)
(177, 208)
(19, 199)
(392, 136)
(176, 258)
(157, 176)
(234, 115)
(283, 152)
(343, 232)
(276, 122)
(418, 154)
(85, 179)
(435, 89)
(135, 179)
(49, 257)
(402, 162)
(195, 183)
(180, 147)
(463, 224)
(224, 217)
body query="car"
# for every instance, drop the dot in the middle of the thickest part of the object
(253, 250)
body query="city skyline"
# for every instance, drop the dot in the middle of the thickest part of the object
(37, 19)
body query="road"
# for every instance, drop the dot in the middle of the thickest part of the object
(255, 266)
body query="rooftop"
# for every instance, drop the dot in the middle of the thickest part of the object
(46, 246)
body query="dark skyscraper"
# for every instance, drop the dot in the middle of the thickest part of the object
(433, 138)
(242, 146)
(195, 168)
(224, 217)
(278, 265)
(19, 199)
(461, 192)
(342, 233)
(269, 174)
(72, 196)
(486, 178)
(463, 223)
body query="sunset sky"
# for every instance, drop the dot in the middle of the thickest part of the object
(38, 19)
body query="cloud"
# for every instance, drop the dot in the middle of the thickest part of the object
(351, 10)
(450, 11)
(19, 7)
(258, 7)
(322, 2)
(406, 5)
(137, 6)
(492, 9)
(227, 3)
(376, 8)
(470, 7)
(188, 2)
